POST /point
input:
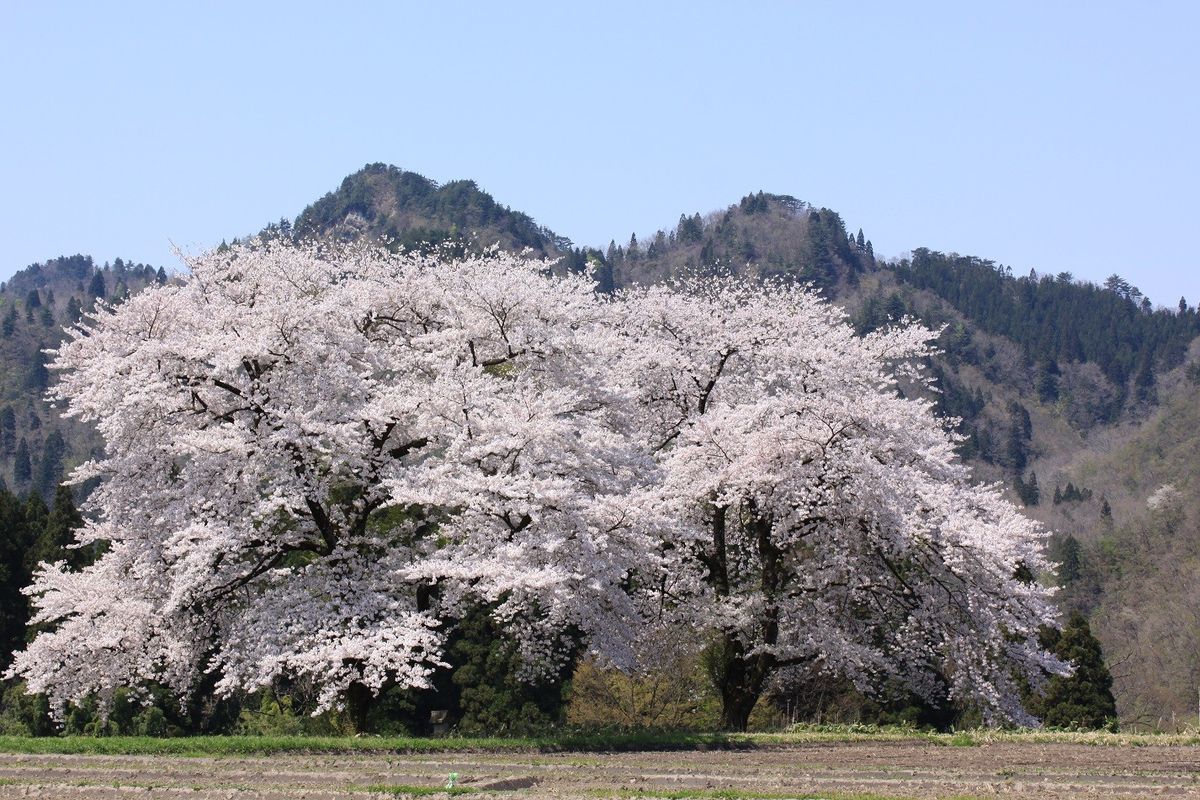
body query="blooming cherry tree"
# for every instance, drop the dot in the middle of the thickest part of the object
(312, 458)
(810, 515)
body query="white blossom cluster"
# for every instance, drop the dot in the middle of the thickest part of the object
(315, 458)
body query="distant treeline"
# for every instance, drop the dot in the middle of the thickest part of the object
(1058, 319)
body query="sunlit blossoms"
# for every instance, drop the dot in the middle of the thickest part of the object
(313, 460)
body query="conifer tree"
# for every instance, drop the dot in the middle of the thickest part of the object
(1083, 700)
(22, 466)
(96, 288)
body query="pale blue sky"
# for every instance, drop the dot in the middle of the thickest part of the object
(1057, 136)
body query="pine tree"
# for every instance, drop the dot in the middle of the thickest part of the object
(74, 309)
(57, 532)
(50, 467)
(15, 538)
(22, 466)
(1083, 700)
(8, 431)
(1070, 561)
(97, 288)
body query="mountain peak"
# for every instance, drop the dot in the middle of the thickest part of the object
(381, 201)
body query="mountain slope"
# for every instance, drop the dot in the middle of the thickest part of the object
(37, 447)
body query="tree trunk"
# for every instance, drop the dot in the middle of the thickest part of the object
(739, 679)
(736, 705)
(359, 700)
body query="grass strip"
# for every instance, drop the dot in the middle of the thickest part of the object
(245, 746)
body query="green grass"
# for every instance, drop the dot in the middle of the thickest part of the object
(233, 746)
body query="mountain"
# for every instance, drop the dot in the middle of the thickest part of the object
(386, 203)
(1082, 399)
(37, 447)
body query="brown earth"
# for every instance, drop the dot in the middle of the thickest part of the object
(880, 769)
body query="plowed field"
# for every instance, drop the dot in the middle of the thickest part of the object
(834, 770)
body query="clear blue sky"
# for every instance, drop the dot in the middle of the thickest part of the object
(1055, 136)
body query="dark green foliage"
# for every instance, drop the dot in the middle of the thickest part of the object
(1028, 491)
(17, 535)
(1083, 700)
(1047, 381)
(97, 288)
(1070, 564)
(1059, 320)
(1020, 432)
(492, 695)
(24, 714)
(50, 466)
(690, 229)
(754, 204)
(408, 209)
(22, 466)
(8, 431)
(1072, 494)
(57, 531)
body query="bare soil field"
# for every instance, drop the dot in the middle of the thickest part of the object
(820, 770)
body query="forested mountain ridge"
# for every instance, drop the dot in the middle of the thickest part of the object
(408, 210)
(37, 446)
(1074, 395)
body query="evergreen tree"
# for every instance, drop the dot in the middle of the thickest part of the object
(50, 467)
(1083, 700)
(15, 538)
(57, 532)
(8, 431)
(22, 466)
(1070, 561)
(1027, 490)
(1047, 381)
(96, 288)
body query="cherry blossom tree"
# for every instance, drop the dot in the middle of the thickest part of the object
(812, 517)
(313, 458)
